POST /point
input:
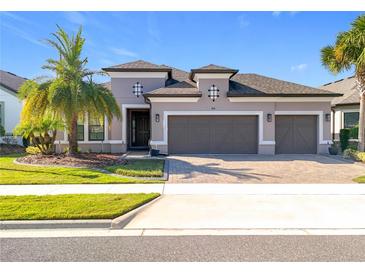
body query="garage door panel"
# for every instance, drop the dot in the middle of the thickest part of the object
(296, 134)
(213, 134)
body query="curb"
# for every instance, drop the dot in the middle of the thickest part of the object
(121, 221)
(49, 224)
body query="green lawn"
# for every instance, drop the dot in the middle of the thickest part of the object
(360, 179)
(140, 168)
(14, 174)
(71, 206)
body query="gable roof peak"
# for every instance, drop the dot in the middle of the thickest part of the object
(138, 66)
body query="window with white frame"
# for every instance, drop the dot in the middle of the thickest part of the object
(96, 128)
(80, 128)
(350, 119)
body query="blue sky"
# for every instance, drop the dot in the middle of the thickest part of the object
(284, 45)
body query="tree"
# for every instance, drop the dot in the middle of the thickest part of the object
(41, 132)
(348, 53)
(73, 91)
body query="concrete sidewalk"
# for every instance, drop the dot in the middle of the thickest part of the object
(191, 212)
(79, 189)
(202, 189)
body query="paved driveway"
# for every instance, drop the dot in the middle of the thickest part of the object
(265, 169)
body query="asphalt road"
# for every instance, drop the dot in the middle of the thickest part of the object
(185, 248)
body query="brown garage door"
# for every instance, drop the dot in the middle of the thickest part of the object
(212, 134)
(296, 134)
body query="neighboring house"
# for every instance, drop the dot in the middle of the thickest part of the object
(345, 109)
(10, 105)
(212, 109)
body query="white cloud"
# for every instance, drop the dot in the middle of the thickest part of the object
(75, 17)
(299, 67)
(123, 52)
(242, 21)
(278, 13)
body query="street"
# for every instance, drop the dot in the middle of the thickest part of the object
(185, 248)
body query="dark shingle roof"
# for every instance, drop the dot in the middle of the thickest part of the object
(11, 81)
(211, 68)
(185, 88)
(347, 87)
(138, 65)
(257, 85)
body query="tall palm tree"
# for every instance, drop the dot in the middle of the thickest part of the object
(348, 53)
(73, 92)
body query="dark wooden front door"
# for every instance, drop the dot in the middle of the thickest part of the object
(139, 129)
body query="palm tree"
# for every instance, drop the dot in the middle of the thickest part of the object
(73, 92)
(348, 53)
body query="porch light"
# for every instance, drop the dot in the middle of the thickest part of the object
(328, 117)
(157, 118)
(213, 92)
(269, 117)
(137, 89)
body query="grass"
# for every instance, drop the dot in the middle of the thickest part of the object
(71, 206)
(15, 174)
(360, 179)
(140, 168)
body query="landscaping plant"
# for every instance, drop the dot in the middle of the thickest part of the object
(41, 133)
(344, 138)
(348, 53)
(72, 92)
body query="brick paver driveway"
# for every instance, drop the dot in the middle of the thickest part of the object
(261, 169)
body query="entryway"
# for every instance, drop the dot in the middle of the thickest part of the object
(138, 129)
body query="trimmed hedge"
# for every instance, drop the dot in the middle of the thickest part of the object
(354, 132)
(344, 138)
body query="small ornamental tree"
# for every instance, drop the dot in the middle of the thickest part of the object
(41, 133)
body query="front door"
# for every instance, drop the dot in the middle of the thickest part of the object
(139, 129)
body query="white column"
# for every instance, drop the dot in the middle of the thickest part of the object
(106, 129)
(86, 127)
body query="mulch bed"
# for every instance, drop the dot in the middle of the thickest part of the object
(94, 160)
(6, 149)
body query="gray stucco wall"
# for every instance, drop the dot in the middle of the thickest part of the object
(222, 104)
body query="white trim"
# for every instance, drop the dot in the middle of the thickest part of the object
(320, 115)
(124, 117)
(152, 74)
(166, 114)
(86, 127)
(174, 99)
(198, 76)
(279, 99)
(119, 142)
(106, 129)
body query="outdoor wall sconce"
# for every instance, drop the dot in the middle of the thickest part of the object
(269, 117)
(137, 89)
(328, 117)
(157, 118)
(213, 92)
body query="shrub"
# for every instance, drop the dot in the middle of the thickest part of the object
(2, 131)
(32, 150)
(354, 132)
(354, 155)
(344, 138)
